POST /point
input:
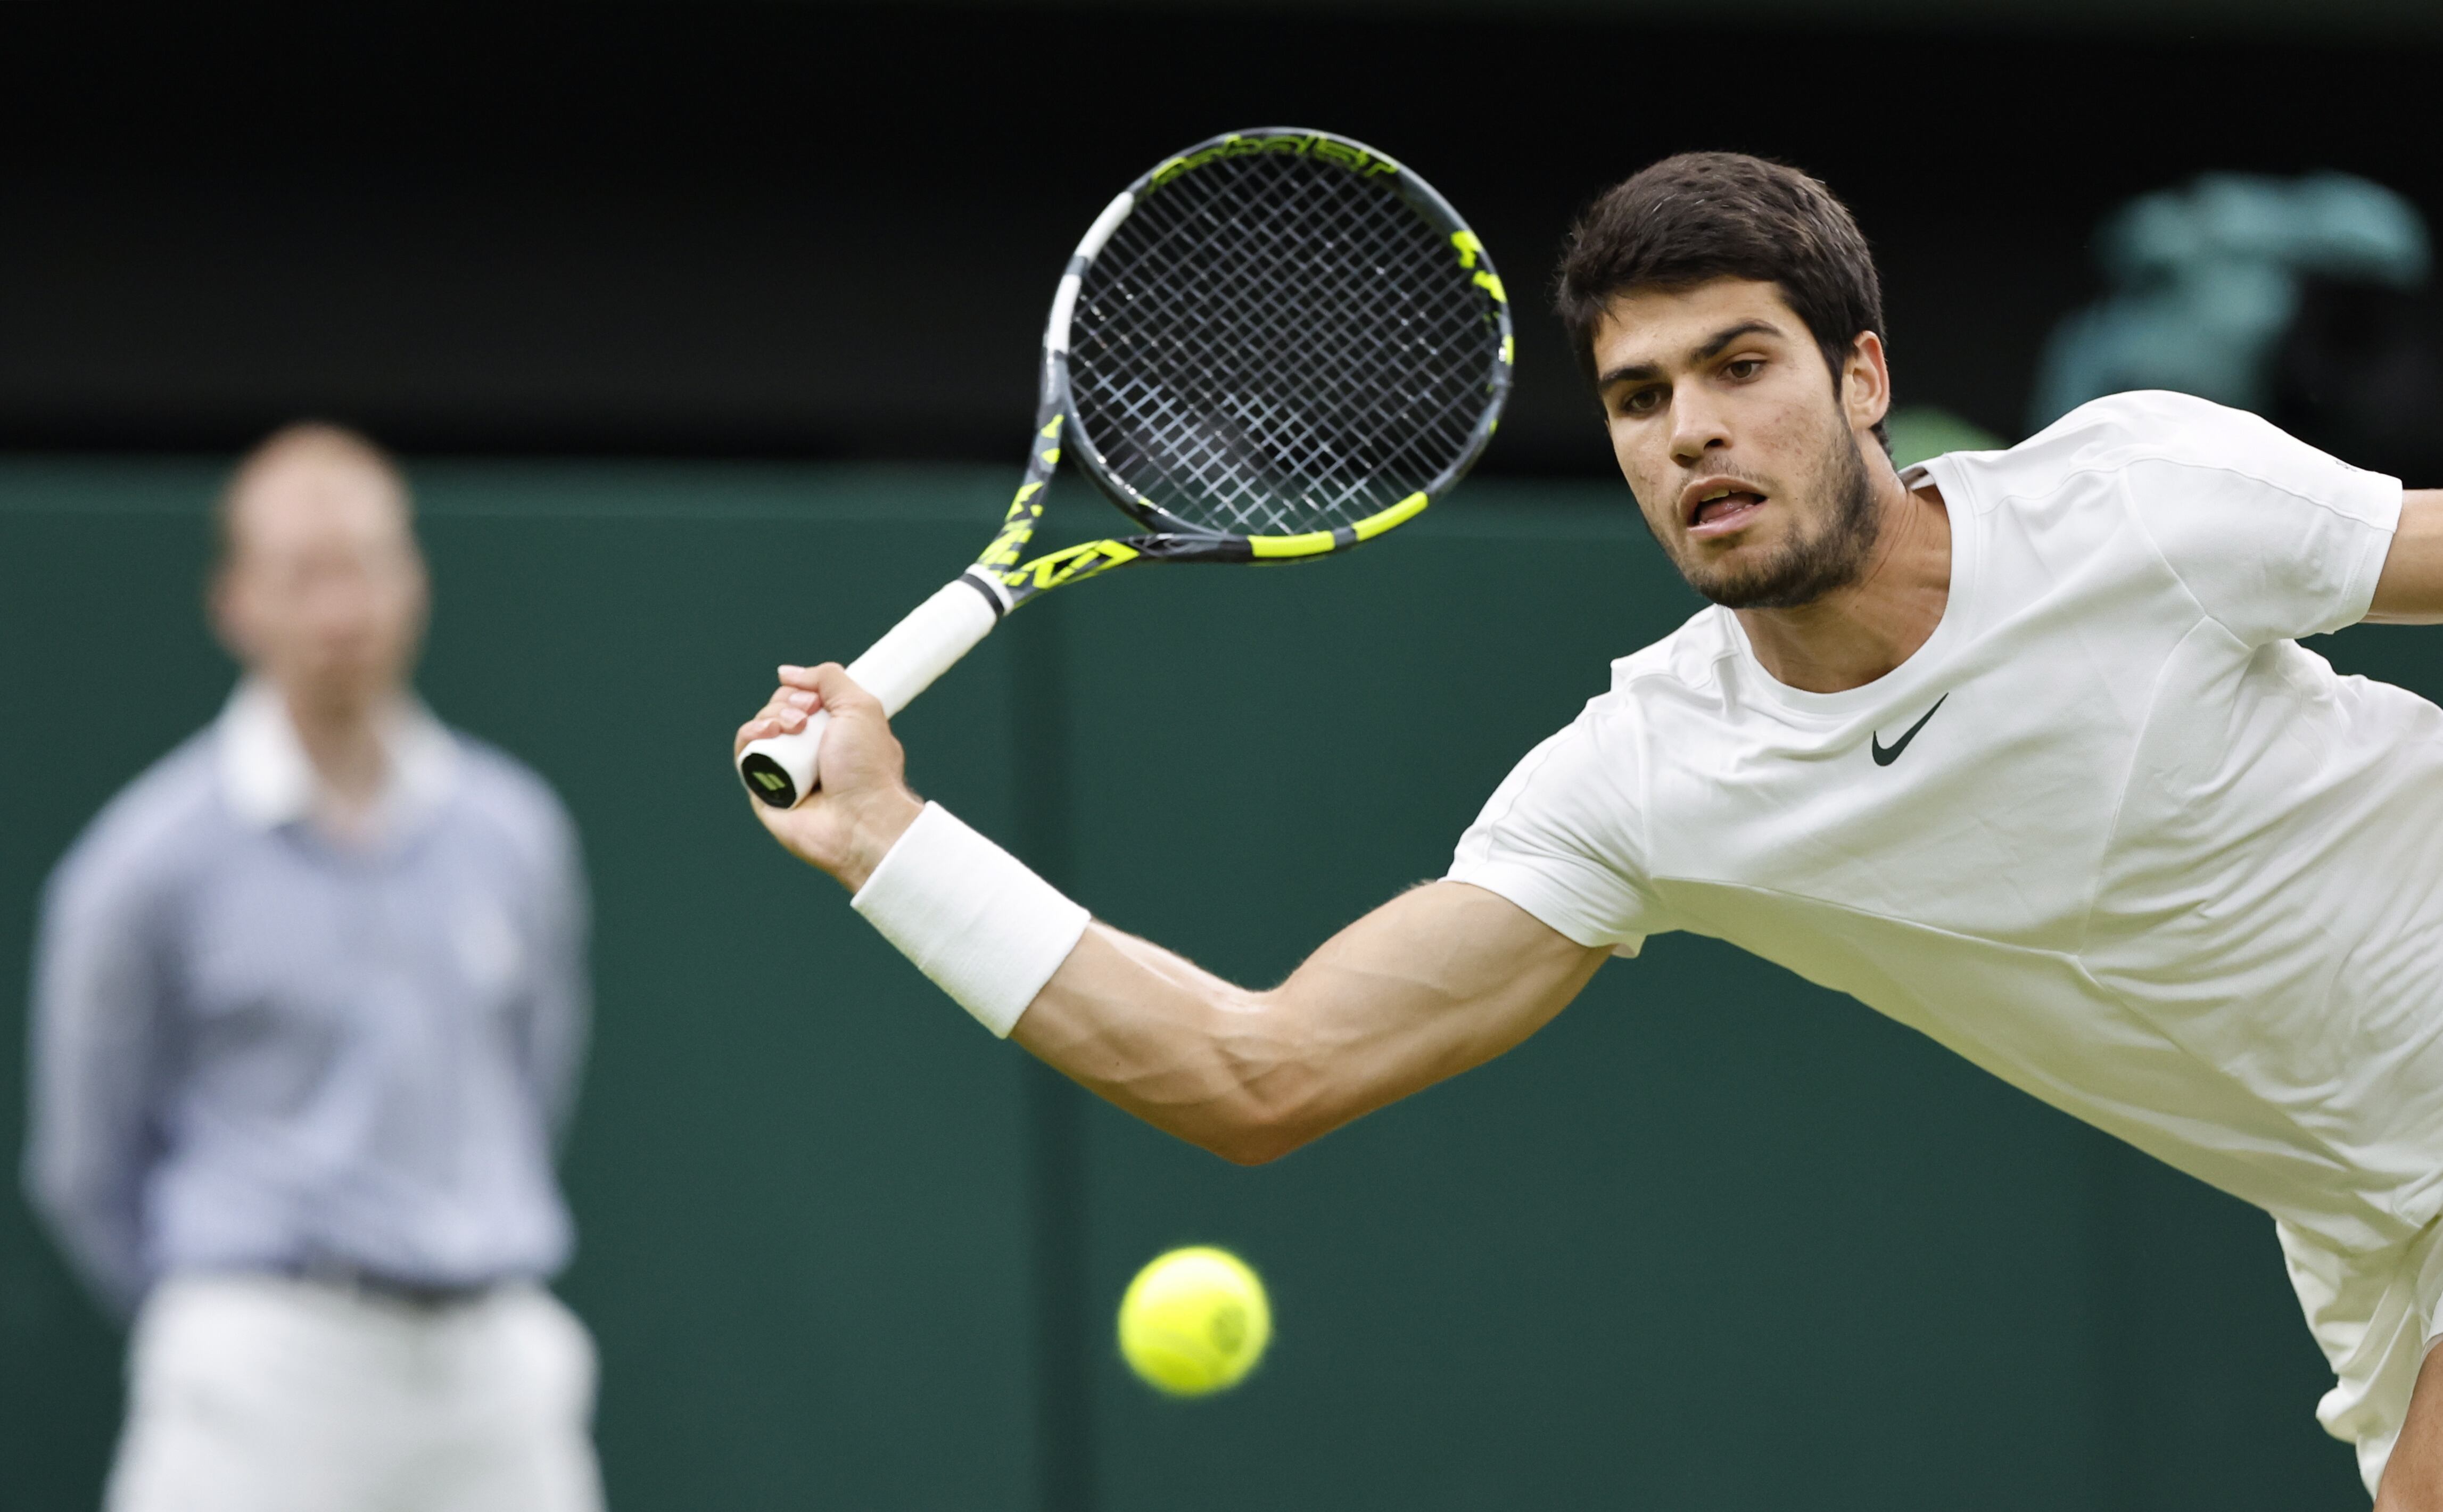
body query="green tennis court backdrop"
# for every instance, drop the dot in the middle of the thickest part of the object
(1713, 1240)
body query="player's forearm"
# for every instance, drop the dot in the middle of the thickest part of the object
(1165, 1039)
(1436, 981)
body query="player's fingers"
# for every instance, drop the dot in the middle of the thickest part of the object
(838, 692)
(804, 689)
(788, 701)
(779, 717)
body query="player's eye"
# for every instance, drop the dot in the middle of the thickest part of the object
(1640, 402)
(1744, 369)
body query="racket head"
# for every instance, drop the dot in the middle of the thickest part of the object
(1278, 344)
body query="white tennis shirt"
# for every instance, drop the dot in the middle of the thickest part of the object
(2111, 832)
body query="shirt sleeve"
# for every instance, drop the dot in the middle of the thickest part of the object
(97, 1033)
(1558, 838)
(2274, 538)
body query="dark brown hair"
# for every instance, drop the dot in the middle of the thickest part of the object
(1706, 215)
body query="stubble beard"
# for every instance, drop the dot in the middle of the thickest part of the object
(1806, 567)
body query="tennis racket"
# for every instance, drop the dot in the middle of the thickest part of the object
(1274, 346)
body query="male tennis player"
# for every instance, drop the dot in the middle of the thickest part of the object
(2018, 747)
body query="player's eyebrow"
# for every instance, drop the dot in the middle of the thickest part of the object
(1712, 347)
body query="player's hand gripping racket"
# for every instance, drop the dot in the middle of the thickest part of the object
(1276, 346)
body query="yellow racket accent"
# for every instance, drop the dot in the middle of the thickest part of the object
(1069, 563)
(1399, 513)
(1016, 528)
(1315, 542)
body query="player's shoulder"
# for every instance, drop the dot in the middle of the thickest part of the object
(151, 835)
(2157, 431)
(1656, 683)
(1685, 661)
(2148, 417)
(1590, 770)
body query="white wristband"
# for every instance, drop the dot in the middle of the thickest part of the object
(972, 916)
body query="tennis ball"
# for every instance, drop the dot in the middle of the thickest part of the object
(1195, 1320)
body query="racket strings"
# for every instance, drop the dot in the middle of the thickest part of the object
(1271, 344)
(1281, 319)
(1342, 380)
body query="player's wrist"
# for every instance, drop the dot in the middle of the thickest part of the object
(971, 916)
(874, 828)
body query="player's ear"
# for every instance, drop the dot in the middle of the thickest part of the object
(1865, 383)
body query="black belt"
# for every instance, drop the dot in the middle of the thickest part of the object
(423, 1296)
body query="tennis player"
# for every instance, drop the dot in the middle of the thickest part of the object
(2019, 748)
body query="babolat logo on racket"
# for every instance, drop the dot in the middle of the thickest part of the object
(1360, 160)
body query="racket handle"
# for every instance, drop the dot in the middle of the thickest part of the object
(781, 769)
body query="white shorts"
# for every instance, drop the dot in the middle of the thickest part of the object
(2374, 1314)
(260, 1394)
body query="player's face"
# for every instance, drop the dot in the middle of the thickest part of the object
(325, 591)
(1745, 460)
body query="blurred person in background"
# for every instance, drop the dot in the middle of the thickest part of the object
(2302, 300)
(309, 1003)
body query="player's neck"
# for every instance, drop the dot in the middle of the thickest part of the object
(1852, 635)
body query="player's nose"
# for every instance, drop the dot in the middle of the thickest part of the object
(1697, 428)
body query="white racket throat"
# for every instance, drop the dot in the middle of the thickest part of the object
(895, 669)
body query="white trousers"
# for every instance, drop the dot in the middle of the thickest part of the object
(258, 1394)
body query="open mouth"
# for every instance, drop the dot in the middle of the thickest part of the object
(1722, 508)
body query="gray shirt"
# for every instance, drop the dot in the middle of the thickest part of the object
(257, 1048)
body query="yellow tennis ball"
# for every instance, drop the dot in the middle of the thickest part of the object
(1195, 1320)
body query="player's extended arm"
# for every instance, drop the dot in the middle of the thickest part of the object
(2411, 590)
(1441, 978)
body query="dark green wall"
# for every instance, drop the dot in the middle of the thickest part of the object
(1716, 1239)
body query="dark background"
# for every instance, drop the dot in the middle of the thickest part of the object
(809, 231)
(667, 303)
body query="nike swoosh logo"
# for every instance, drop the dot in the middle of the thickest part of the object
(1885, 755)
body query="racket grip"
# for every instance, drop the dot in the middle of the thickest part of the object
(780, 770)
